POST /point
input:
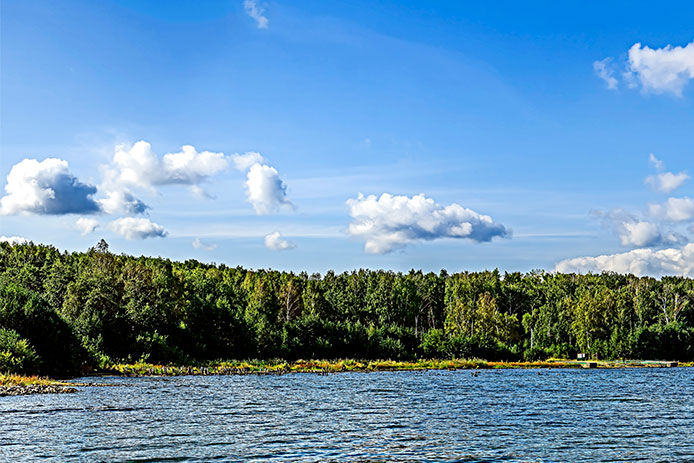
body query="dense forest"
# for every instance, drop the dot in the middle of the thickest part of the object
(63, 312)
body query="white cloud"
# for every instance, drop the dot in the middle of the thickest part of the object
(674, 210)
(391, 222)
(672, 261)
(640, 234)
(121, 201)
(632, 231)
(667, 181)
(138, 166)
(256, 12)
(46, 187)
(86, 225)
(662, 70)
(265, 190)
(199, 244)
(606, 72)
(137, 228)
(244, 161)
(655, 162)
(12, 239)
(276, 242)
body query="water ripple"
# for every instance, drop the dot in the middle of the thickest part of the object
(497, 416)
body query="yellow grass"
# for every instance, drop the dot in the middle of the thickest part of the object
(345, 365)
(7, 379)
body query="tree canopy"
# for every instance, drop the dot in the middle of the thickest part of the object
(60, 311)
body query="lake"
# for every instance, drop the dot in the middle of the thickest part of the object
(498, 415)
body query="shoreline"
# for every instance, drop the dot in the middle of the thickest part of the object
(32, 389)
(15, 385)
(344, 366)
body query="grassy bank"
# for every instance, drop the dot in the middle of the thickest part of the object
(324, 366)
(300, 366)
(7, 380)
(13, 385)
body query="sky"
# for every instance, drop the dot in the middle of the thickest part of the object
(320, 135)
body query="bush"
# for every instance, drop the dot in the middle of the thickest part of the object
(52, 338)
(435, 344)
(562, 351)
(16, 354)
(673, 341)
(536, 353)
(154, 347)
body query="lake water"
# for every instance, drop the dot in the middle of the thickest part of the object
(510, 416)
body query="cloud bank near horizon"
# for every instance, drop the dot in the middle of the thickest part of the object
(640, 262)
(667, 224)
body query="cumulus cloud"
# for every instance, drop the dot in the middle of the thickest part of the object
(392, 222)
(246, 160)
(46, 187)
(86, 225)
(13, 239)
(139, 166)
(640, 234)
(667, 181)
(265, 190)
(199, 244)
(659, 70)
(662, 70)
(256, 12)
(137, 228)
(606, 72)
(122, 202)
(276, 242)
(633, 231)
(674, 210)
(672, 261)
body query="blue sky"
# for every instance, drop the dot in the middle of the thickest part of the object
(490, 112)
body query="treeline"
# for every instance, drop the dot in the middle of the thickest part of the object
(60, 312)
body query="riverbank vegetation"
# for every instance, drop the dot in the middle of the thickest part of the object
(9, 379)
(261, 367)
(13, 385)
(64, 313)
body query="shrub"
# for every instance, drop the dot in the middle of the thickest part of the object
(16, 354)
(435, 344)
(52, 338)
(536, 353)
